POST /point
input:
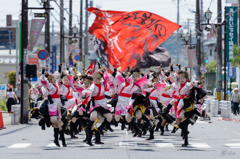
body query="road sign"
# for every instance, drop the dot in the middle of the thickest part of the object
(203, 69)
(77, 50)
(77, 57)
(40, 14)
(53, 59)
(3, 89)
(42, 54)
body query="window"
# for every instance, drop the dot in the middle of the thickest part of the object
(210, 52)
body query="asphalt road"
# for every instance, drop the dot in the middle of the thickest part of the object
(218, 139)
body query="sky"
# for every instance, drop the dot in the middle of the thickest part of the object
(164, 8)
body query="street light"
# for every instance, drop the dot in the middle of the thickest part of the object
(208, 15)
(74, 30)
(181, 32)
(186, 37)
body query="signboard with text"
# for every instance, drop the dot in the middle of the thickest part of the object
(231, 70)
(231, 32)
(53, 59)
(3, 90)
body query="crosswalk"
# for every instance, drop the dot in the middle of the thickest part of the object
(132, 144)
(120, 144)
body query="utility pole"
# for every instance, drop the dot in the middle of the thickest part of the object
(198, 47)
(219, 50)
(24, 43)
(80, 32)
(70, 31)
(47, 31)
(225, 56)
(86, 32)
(238, 21)
(62, 59)
(178, 32)
(202, 48)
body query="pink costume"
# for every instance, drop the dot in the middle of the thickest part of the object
(68, 92)
(123, 98)
(54, 91)
(98, 92)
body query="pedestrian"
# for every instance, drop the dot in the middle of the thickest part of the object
(33, 94)
(10, 96)
(235, 98)
(8, 86)
(18, 92)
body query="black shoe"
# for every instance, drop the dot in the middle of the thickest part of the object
(184, 145)
(74, 137)
(137, 132)
(56, 143)
(63, 138)
(150, 138)
(89, 143)
(85, 140)
(110, 129)
(174, 130)
(99, 142)
(56, 132)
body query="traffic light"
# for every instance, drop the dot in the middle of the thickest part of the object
(206, 61)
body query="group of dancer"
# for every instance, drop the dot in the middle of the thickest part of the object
(74, 102)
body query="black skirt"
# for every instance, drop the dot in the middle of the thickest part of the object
(10, 102)
(101, 110)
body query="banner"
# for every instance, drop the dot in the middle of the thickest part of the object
(160, 56)
(231, 70)
(184, 50)
(192, 61)
(53, 59)
(231, 38)
(129, 36)
(36, 27)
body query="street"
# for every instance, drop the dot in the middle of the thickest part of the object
(218, 139)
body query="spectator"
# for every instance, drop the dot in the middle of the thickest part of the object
(8, 87)
(18, 92)
(10, 99)
(33, 95)
(235, 98)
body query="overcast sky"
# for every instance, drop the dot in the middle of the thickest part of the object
(165, 8)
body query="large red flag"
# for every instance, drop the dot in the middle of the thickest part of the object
(130, 36)
(90, 67)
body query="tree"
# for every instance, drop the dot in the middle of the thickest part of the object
(236, 56)
(12, 78)
(212, 66)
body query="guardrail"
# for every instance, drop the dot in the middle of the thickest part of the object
(214, 107)
(225, 108)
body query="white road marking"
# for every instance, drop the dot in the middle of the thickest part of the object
(128, 144)
(51, 146)
(20, 145)
(200, 145)
(202, 122)
(233, 145)
(232, 131)
(168, 145)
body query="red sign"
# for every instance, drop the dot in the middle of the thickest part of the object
(32, 60)
(77, 50)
